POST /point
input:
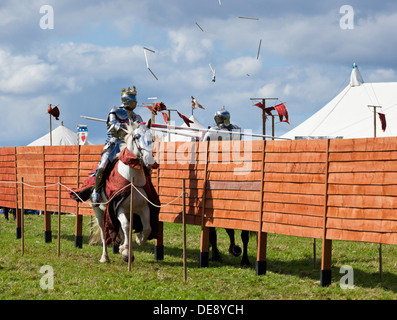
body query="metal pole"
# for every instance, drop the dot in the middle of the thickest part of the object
(184, 230)
(131, 225)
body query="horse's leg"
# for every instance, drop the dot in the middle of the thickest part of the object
(233, 248)
(125, 226)
(99, 218)
(141, 238)
(119, 240)
(213, 242)
(245, 239)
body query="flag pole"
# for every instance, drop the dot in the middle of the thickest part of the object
(264, 115)
(50, 132)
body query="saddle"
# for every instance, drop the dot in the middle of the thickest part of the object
(113, 182)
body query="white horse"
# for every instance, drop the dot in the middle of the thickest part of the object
(138, 140)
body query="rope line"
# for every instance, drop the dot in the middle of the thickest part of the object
(97, 203)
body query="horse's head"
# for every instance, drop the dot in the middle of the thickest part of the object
(139, 141)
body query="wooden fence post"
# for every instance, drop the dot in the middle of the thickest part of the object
(59, 218)
(159, 245)
(184, 229)
(22, 220)
(205, 233)
(17, 209)
(78, 234)
(260, 266)
(325, 273)
(130, 257)
(47, 215)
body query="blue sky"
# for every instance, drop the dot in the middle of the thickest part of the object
(96, 49)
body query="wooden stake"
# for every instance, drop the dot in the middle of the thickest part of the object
(314, 253)
(204, 237)
(380, 262)
(260, 266)
(131, 225)
(326, 254)
(184, 230)
(59, 217)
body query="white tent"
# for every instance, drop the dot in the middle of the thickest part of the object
(61, 136)
(348, 115)
(179, 137)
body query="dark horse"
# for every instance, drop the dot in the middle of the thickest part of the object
(234, 249)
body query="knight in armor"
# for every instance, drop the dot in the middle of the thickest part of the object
(228, 131)
(117, 120)
(222, 120)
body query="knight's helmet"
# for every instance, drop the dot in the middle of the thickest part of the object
(128, 98)
(222, 117)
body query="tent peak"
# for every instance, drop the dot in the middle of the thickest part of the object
(355, 78)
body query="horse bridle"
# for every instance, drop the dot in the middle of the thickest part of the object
(135, 139)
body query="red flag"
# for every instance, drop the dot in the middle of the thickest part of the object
(150, 108)
(382, 118)
(160, 106)
(186, 119)
(165, 117)
(269, 110)
(53, 111)
(282, 112)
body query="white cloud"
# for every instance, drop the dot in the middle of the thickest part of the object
(185, 45)
(24, 74)
(242, 66)
(382, 75)
(24, 119)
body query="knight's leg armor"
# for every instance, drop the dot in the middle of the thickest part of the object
(111, 149)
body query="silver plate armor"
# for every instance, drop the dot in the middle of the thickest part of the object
(117, 119)
(136, 117)
(222, 120)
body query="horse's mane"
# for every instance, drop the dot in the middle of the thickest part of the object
(127, 138)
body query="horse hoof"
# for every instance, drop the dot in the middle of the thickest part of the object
(235, 250)
(216, 256)
(104, 260)
(139, 240)
(245, 263)
(125, 258)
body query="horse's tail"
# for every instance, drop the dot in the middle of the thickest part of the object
(96, 235)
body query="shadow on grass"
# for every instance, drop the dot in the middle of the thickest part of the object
(301, 268)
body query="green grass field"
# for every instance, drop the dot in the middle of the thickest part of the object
(78, 275)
